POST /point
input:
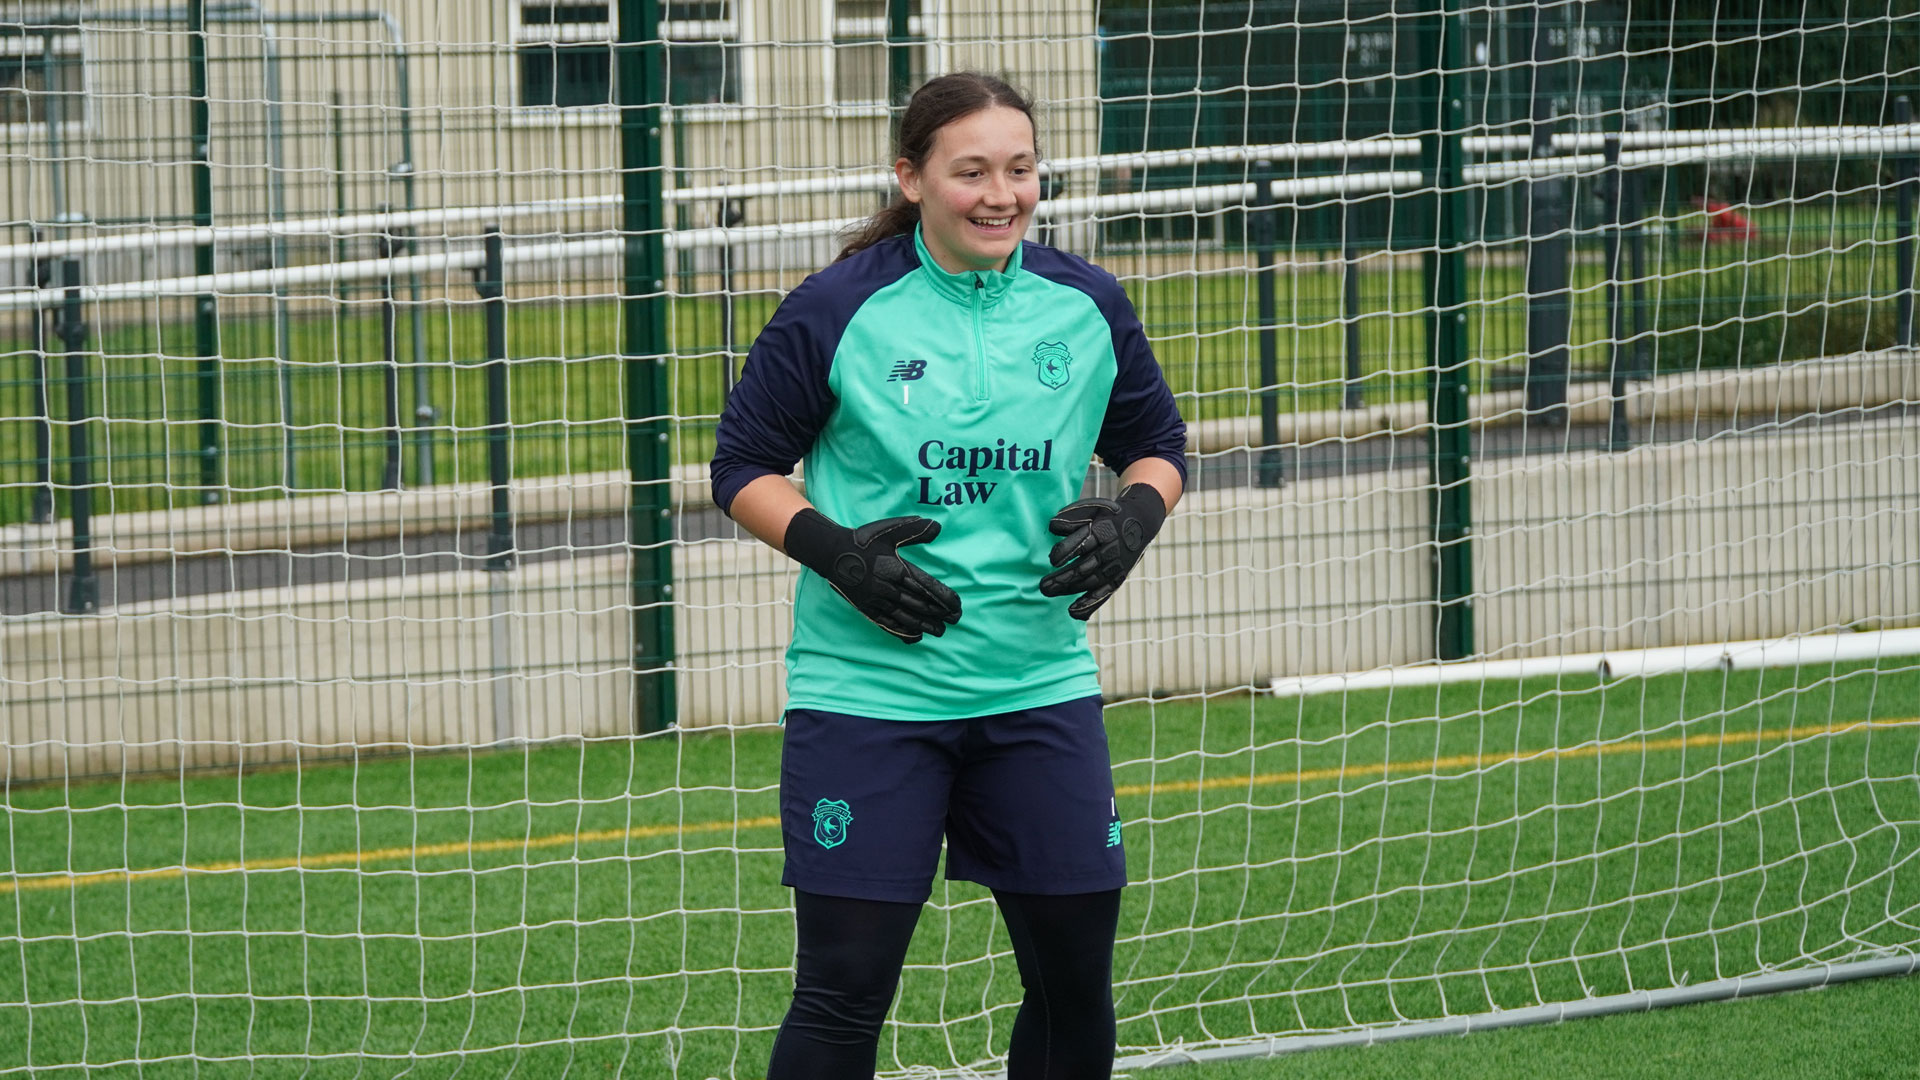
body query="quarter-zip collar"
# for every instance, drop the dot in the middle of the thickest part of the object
(983, 287)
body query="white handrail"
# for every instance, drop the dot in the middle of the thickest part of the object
(1650, 140)
(1825, 140)
(879, 181)
(264, 282)
(366, 224)
(867, 181)
(1676, 147)
(1752, 149)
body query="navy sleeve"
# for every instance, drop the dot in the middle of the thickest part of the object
(1142, 420)
(783, 400)
(777, 409)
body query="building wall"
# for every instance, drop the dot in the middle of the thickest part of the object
(473, 141)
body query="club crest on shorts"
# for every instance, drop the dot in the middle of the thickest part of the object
(1050, 360)
(830, 820)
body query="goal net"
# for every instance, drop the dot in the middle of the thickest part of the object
(382, 693)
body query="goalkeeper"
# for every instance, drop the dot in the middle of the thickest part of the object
(947, 385)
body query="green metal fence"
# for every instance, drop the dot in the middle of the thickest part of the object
(1376, 296)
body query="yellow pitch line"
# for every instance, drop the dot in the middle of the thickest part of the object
(641, 832)
(391, 854)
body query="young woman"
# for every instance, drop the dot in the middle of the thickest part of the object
(947, 385)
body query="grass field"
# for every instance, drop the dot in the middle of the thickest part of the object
(1852, 1031)
(1300, 865)
(1816, 284)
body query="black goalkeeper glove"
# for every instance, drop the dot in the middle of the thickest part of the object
(1104, 539)
(864, 565)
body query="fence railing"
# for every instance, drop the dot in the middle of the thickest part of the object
(1640, 245)
(1622, 162)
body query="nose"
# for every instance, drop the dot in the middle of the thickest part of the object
(1000, 191)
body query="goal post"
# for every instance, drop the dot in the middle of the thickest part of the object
(381, 691)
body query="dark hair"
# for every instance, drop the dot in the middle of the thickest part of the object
(938, 102)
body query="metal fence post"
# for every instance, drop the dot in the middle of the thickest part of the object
(1263, 233)
(276, 184)
(385, 245)
(425, 416)
(336, 127)
(1444, 94)
(1641, 366)
(899, 59)
(1549, 310)
(1356, 394)
(1906, 179)
(640, 88)
(42, 511)
(206, 311)
(1618, 437)
(490, 283)
(731, 212)
(83, 588)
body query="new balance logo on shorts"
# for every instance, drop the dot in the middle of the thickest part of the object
(907, 370)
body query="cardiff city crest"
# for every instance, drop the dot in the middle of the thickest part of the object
(1050, 359)
(830, 820)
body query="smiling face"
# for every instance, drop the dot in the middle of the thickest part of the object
(976, 190)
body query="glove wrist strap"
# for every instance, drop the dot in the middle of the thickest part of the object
(1148, 506)
(814, 539)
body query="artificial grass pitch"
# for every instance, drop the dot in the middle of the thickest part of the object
(1300, 865)
(1850, 1031)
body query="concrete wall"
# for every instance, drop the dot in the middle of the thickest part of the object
(1729, 539)
(433, 660)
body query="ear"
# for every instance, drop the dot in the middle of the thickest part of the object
(909, 178)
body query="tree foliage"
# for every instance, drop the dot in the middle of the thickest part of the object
(1736, 63)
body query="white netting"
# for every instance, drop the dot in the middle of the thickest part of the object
(332, 641)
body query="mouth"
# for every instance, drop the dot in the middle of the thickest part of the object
(993, 225)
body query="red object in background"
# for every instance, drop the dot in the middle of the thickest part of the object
(1724, 223)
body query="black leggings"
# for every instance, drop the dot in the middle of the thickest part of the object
(847, 966)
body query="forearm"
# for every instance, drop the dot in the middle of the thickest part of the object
(1160, 474)
(862, 563)
(766, 506)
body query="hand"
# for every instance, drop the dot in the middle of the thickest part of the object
(1104, 539)
(864, 566)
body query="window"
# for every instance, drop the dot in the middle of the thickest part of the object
(42, 75)
(703, 73)
(703, 53)
(566, 56)
(860, 60)
(565, 50)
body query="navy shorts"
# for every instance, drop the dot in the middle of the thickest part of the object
(1024, 799)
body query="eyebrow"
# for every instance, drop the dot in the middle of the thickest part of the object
(982, 158)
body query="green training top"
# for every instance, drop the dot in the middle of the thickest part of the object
(975, 399)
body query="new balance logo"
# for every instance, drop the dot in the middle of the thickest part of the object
(908, 370)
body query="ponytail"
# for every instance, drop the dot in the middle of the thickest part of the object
(936, 104)
(900, 216)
